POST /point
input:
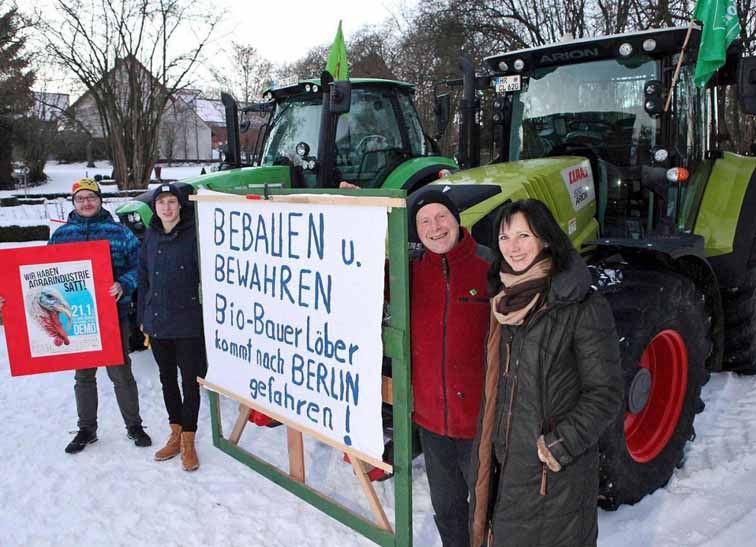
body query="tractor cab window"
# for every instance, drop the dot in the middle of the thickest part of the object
(594, 110)
(368, 138)
(295, 120)
(417, 139)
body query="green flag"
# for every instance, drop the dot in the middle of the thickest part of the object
(337, 58)
(720, 28)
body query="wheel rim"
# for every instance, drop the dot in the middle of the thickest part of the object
(649, 431)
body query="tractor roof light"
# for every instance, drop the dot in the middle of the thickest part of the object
(503, 66)
(626, 49)
(677, 174)
(649, 45)
(314, 88)
(308, 87)
(661, 155)
(519, 64)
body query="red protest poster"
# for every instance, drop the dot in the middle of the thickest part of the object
(58, 314)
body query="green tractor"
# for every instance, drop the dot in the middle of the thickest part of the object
(318, 133)
(582, 127)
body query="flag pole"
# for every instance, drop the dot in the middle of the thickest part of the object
(676, 75)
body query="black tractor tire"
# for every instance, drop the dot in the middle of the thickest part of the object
(739, 306)
(661, 309)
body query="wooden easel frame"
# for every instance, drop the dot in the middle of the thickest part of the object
(396, 390)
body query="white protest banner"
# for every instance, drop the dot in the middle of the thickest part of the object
(292, 304)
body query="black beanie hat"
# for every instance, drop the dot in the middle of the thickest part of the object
(167, 189)
(433, 196)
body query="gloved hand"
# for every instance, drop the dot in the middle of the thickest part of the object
(545, 455)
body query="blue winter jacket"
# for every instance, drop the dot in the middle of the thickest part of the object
(124, 248)
(169, 304)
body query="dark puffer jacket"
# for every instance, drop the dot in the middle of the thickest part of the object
(449, 315)
(124, 248)
(563, 380)
(168, 303)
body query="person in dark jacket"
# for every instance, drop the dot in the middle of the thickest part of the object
(552, 385)
(89, 221)
(169, 312)
(449, 319)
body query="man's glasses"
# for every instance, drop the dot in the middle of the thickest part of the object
(82, 199)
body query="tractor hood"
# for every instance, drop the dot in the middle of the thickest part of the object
(565, 184)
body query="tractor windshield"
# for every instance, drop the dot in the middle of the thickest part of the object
(295, 120)
(593, 109)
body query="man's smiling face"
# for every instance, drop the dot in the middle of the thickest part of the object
(437, 228)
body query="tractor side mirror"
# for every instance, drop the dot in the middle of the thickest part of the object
(747, 84)
(655, 180)
(653, 102)
(441, 109)
(341, 97)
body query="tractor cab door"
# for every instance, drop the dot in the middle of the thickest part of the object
(380, 131)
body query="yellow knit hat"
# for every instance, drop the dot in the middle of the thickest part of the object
(85, 184)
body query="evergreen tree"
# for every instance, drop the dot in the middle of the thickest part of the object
(16, 80)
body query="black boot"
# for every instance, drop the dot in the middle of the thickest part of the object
(81, 440)
(137, 434)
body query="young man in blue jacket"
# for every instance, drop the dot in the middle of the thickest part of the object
(89, 222)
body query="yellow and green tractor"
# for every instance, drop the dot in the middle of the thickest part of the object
(665, 219)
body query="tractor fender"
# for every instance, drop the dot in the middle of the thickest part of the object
(416, 172)
(731, 267)
(681, 254)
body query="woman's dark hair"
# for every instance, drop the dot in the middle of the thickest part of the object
(543, 224)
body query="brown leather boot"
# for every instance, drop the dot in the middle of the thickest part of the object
(172, 446)
(188, 454)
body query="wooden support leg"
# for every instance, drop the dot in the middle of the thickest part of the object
(241, 422)
(373, 501)
(296, 455)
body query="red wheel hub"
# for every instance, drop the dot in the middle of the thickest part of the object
(648, 431)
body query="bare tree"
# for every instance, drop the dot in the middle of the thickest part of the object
(245, 75)
(125, 54)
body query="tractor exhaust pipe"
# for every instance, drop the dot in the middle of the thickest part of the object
(468, 154)
(233, 148)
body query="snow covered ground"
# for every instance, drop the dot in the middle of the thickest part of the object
(114, 493)
(62, 176)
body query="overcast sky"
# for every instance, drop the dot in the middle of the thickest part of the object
(282, 31)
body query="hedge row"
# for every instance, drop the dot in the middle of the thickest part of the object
(24, 233)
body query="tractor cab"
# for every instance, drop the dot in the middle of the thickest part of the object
(605, 99)
(360, 137)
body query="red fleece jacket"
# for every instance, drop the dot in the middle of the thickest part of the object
(449, 320)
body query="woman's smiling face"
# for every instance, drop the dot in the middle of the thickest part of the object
(518, 244)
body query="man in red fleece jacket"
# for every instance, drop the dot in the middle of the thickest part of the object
(449, 315)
